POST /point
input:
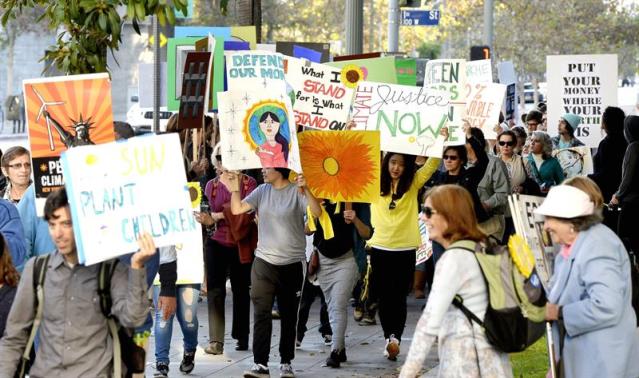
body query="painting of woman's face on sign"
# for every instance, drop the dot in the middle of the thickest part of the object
(266, 128)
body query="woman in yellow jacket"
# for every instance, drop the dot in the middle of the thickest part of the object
(394, 216)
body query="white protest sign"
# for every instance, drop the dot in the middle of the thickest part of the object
(121, 189)
(257, 129)
(257, 70)
(409, 118)
(479, 71)
(575, 161)
(321, 100)
(450, 75)
(507, 76)
(483, 105)
(584, 85)
(425, 250)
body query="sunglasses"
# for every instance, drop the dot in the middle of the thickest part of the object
(428, 211)
(451, 157)
(504, 143)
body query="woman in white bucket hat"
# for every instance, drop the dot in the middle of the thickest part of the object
(589, 303)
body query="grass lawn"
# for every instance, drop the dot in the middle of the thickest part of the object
(531, 363)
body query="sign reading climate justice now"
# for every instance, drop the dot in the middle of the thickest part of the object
(584, 85)
(119, 190)
(409, 118)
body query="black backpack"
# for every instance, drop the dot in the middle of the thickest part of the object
(128, 357)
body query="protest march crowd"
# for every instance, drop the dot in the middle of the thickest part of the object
(442, 222)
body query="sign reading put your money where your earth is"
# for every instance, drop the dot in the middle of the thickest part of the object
(119, 190)
(321, 100)
(410, 119)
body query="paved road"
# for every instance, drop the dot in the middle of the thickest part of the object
(364, 347)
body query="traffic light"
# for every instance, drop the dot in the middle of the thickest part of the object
(410, 3)
(479, 52)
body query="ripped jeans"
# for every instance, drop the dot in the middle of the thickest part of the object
(186, 312)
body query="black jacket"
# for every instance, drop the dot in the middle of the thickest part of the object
(629, 188)
(607, 164)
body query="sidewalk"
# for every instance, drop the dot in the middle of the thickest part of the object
(364, 347)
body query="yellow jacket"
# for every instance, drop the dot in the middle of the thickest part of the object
(397, 229)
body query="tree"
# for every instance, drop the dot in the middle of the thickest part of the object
(90, 27)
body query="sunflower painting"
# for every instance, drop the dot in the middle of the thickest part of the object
(341, 165)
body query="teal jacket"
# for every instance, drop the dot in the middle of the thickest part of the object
(550, 172)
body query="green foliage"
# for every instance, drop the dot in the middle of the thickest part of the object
(91, 27)
(429, 50)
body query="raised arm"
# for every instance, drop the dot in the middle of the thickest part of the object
(237, 205)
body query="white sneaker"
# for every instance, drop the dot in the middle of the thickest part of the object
(286, 371)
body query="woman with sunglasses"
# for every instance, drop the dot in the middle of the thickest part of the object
(517, 174)
(464, 350)
(395, 240)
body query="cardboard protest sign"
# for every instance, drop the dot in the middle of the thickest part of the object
(341, 166)
(195, 90)
(289, 49)
(483, 105)
(406, 71)
(379, 70)
(258, 130)
(226, 33)
(450, 75)
(64, 112)
(479, 71)
(255, 69)
(531, 228)
(575, 161)
(119, 190)
(306, 53)
(409, 118)
(321, 100)
(584, 85)
(507, 76)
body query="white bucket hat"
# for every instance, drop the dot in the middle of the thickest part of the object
(565, 201)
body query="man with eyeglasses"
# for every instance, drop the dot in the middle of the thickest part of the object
(533, 120)
(16, 166)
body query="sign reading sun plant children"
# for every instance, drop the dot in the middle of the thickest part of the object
(321, 100)
(410, 119)
(119, 190)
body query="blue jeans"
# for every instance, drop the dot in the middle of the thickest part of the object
(186, 312)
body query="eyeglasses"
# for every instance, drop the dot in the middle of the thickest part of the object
(451, 157)
(19, 165)
(428, 211)
(392, 205)
(504, 143)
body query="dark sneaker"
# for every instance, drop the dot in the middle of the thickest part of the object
(187, 364)
(328, 339)
(333, 360)
(215, 348)
(257, 371)
(286, 371)
(342, 355)
(162, 368)
(241, 345)
(392, 348)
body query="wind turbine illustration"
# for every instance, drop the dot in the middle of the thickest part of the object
(43, 111)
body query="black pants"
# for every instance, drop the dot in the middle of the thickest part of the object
(627, 226)
(309, 293)
(223, 261)
(269, 280)
(392, 273)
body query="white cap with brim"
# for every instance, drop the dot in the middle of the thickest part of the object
(565, 201)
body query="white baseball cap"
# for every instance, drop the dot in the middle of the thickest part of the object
(565, 201)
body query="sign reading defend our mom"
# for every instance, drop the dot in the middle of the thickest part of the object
(409, 118)
(119, 190)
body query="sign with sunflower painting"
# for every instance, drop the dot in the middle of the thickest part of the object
(410, 119)
(322, 101)
(379, 70)
(119, 190)
(342, 166)
(64, 112)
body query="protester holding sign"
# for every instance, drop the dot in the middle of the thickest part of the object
(464, 350)
(568, 123)
(395, 240)
(278, 268)
(589, 302)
